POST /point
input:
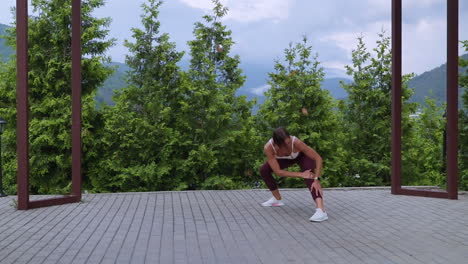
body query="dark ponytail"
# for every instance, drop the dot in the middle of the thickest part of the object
(279, 135)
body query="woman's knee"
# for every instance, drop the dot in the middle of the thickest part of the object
(307, 163)
(265, 170)
(315, 195)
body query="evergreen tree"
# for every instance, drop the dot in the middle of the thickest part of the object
(297, 101)
(139, 139)
(423, 162)
(367, 114)
(221, 140)
(463, 124)
(177, 130)
(8, 112)
(50, 92)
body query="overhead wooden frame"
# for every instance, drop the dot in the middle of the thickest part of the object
(452, 104)
(23, 109)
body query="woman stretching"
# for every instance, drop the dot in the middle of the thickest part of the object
(283, 151)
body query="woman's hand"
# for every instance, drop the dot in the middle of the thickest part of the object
(307, 174)
(318, 188)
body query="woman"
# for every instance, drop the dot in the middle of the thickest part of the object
(283, 151)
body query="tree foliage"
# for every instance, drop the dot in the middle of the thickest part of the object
(423, 161)
(297, 101)
(138, 136)
(463, 125)
(172, 129)
(49, 59)
(219, 129)
(367, 114)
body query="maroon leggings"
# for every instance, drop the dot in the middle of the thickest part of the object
(304, 162)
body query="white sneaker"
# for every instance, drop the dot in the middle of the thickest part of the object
(319, 216)
(273, 202)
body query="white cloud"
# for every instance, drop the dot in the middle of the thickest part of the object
(343, 40)
(424, 45)
(260, 90)
(247, 10)
(338, 65)
(386, 5)
(6, 16)
(423, 42)
(378, 5)
(347, 41)
(263, 28)
(421, 3)
(201, 4)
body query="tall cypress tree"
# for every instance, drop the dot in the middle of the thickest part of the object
(463, 125)
(296, 100)
(219, 124)
(423, 162)
(367, 114)
(50, 91)
(140, 139)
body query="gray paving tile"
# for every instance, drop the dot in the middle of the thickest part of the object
(365, 226)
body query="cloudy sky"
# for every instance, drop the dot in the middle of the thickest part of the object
(263, 28)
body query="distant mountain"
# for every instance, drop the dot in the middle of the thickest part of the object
(115, 82)
(334, 86)
(433, 83)
(105, 93)
(5, 51)
(257, 76)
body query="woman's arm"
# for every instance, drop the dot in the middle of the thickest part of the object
(311, 153)
(278, 171)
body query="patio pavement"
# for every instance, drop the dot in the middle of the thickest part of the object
(364, 226)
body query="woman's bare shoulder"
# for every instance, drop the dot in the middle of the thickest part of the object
(297, 140)
(269, 151)
(299, 144)
(267, 146)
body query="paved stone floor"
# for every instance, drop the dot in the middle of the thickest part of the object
(364, 226)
